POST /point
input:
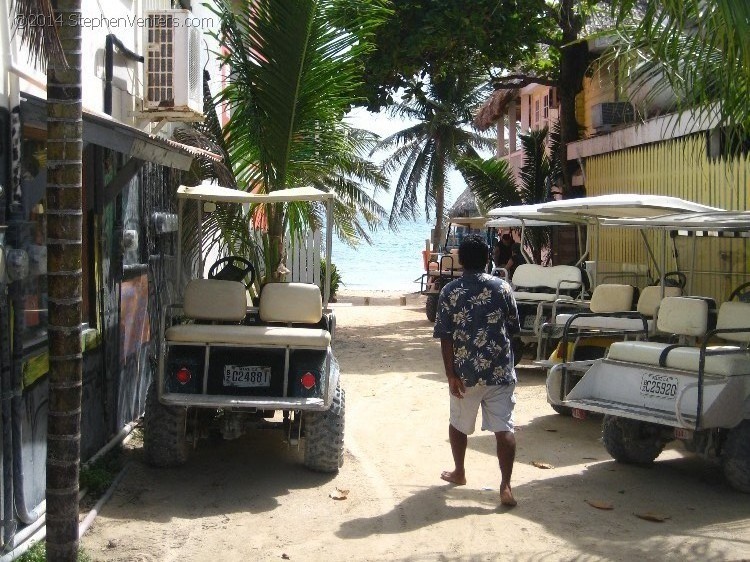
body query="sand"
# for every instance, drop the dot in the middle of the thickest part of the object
(250, 499)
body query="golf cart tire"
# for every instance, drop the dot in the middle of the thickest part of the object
(164, 442)
(736, 457)
(431, 307)
(324, 436)
(631, 441)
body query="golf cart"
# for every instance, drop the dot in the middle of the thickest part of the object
(226, 367)
(622, 305)
(540, 291)
(693, 387)
(443, 266)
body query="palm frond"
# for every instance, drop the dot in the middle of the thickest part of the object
(42, 41)
(491, 181)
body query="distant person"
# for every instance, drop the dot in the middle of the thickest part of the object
(516, 258)
(476, 321)
(502, 251)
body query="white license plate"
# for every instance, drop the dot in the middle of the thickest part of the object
(658, 386)
(528, 322)
(242, 375)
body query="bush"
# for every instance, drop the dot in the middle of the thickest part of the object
(335, 278)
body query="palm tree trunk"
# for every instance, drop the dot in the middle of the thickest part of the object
(275, 251)
(64, 231)
(573, 64)
(438, 234)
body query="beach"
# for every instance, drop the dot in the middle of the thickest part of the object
(250, 499)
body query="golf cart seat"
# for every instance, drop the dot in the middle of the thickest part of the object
(614, 299)
(535, 283)
(686, 316)
(224, 304)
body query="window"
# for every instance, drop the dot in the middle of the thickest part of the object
(536, 113)
(545, 106)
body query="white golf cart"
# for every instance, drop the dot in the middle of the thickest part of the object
(620, 310)
(540, 291)
(695, 386)
(226, 367)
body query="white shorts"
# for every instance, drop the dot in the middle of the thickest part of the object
(497, 408)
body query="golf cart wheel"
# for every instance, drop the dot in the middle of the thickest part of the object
(431, 307)
(736, 457)
(324, 436)
(164, 442)
(631, 441)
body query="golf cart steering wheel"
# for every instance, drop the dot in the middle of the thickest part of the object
(675, 279)
(231, 271)
(741, 293)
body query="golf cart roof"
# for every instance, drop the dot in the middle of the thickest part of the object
(719, 221)
(211, 192)
(528, 215)
(515, 222)
(624, 205)
(472, 222)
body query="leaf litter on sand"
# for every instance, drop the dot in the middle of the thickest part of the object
(339, 494)
(540, 464)
(598, 504)
(651, 516)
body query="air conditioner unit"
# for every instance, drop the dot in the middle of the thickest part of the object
(172, 71)
(605, 115)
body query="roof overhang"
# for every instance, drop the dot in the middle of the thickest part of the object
(211, 192)
(103, 130)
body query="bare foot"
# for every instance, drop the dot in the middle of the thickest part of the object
(453, 478)
(506, 497)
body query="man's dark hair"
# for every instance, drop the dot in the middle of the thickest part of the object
(473, 252)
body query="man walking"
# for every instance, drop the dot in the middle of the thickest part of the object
(476, 321)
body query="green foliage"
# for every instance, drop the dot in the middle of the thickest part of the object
(96, 479)
(336, 281)
(38, 553)
(442, 38)
(295, 71)
(491, 181)
(698, 49)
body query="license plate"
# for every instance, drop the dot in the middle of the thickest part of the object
(243, 375)
(579, 414)
(528, 322)
(658, 386)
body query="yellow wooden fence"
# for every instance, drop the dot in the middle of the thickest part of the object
(680, 168)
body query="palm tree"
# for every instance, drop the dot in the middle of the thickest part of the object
(426, 151)
(294, 73)
(59, 47)
(494, 185)
(700, 49)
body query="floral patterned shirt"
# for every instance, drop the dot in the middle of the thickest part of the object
(479, 313)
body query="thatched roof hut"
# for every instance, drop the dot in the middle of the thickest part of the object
(491, 110)
(465, 206)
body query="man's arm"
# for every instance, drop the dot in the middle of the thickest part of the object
(455, 383)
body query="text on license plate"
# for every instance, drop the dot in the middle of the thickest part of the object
(528, 322)
(243, 375)
(658, 386)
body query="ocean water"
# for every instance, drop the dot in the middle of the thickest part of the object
(393, 262)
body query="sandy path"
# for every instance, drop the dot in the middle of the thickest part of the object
(251, 500)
